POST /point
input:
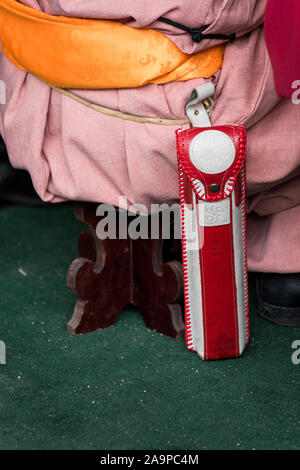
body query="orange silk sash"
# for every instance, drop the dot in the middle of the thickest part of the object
(96, 54)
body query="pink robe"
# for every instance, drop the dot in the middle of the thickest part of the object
(282, 31)
(73, 152)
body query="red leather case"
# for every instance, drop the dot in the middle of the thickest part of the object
(211, 164)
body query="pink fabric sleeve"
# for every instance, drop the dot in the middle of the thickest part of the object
(282, 32)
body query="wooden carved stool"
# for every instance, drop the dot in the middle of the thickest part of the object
(113, 273)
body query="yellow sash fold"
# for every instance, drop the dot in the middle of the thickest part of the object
(99, 54)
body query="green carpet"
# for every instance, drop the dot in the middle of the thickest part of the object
(125, 387)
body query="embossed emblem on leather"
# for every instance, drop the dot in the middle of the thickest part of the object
(214, 214)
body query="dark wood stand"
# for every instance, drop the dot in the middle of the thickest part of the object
(113, 273)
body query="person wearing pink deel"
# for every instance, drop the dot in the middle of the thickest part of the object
(72, 152)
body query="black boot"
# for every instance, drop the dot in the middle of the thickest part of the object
(279, 298)
(15, 185)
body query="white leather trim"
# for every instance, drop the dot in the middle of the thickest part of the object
(199, 187)
(194, 278)
(239, 266)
